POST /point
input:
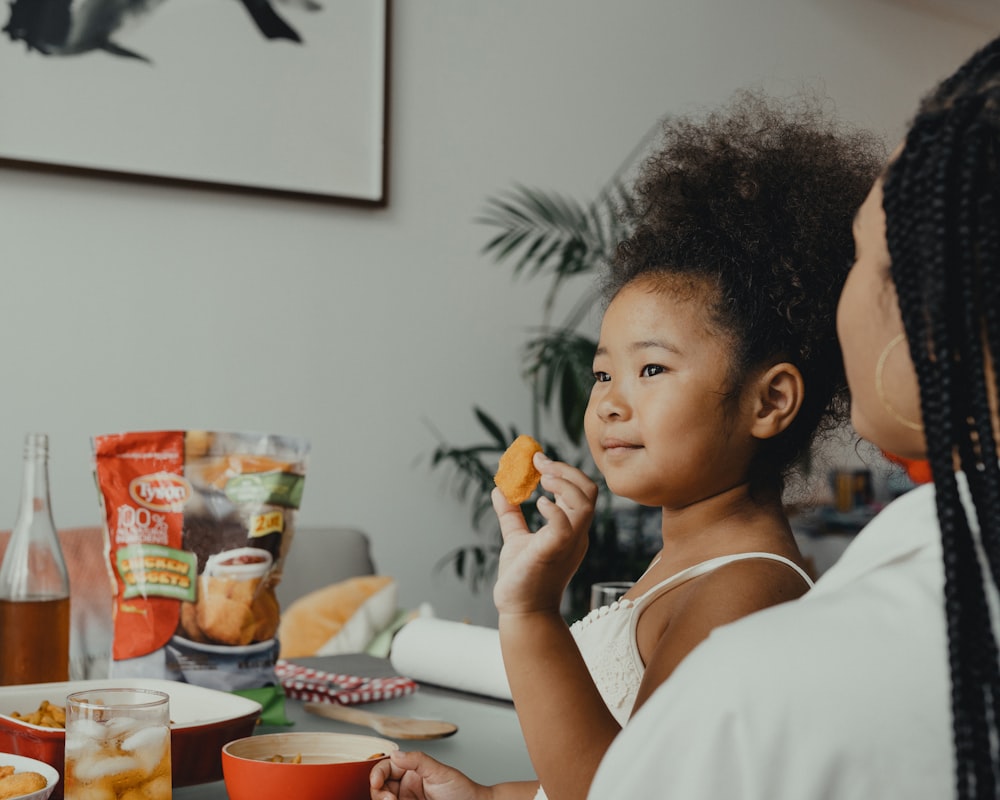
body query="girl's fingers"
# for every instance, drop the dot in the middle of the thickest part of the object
(381, 781)
(571, 507)
(561, 469)
(392, 768)
(558, 526)
(379, 775)
(510, 517)
(500, 503)
(561, 478)
(568, 494)
(575, 503)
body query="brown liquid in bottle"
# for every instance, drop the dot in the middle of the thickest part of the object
(35, 641)
(34, 583)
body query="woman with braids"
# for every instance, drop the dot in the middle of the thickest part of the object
(717, 363)
(882, 682)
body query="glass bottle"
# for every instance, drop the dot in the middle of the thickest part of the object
(34, 583)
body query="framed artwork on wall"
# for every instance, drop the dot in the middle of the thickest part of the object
(280, 97)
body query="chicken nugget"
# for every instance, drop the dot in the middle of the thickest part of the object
(222, 619)
(241, 590)
(516, 475)
(21, 783)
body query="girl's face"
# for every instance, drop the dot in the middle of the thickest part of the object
(885, 395)
(659, 424)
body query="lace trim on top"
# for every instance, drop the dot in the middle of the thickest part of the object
(612, 665)
(603, 611)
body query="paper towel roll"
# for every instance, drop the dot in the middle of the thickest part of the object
(451, 654)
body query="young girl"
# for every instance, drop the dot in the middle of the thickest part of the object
(717, 363)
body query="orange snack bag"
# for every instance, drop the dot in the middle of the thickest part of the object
(197, 525)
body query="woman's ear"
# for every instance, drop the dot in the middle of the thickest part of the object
(777, 398)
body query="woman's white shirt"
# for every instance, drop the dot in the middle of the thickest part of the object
(842, 694)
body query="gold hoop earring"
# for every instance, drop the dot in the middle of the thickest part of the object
(880, 387)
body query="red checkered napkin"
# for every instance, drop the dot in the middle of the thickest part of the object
(318, 686)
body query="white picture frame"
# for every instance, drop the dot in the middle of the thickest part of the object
(194, 93)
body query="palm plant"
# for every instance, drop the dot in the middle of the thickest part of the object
(547, 235)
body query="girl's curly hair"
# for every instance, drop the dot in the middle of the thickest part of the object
(756, 200)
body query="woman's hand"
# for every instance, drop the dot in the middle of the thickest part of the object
(417, 776)
(535, 568)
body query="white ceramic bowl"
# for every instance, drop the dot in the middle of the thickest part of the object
(25, 764)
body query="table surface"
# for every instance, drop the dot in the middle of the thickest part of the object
(488, 745)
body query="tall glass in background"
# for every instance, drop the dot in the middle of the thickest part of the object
(605, 593)
(34, 583)
(118, 745)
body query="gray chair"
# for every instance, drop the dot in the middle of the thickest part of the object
(319, 556)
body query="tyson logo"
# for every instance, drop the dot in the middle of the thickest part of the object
(161, 491)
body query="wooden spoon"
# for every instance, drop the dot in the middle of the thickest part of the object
(393, 727)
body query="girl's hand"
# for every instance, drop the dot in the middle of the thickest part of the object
(417, 776)
(535, 568)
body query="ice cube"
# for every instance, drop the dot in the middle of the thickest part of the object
(147, 737)
(89, 728)
(122, 726)
(148, 745)
(92, 769)
(156, 789)
(83, 740)
(99, 792)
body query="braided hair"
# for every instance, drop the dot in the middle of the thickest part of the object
(755, 201)
(942, 206)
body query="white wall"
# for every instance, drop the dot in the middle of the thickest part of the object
(129, 307)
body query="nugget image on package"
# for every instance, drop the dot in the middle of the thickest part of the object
(516, 475)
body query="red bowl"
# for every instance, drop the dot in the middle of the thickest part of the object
(201, 722)
(334, 766)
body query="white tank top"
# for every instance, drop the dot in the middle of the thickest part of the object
(606, 636)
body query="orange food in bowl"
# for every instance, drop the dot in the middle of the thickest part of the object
(516, 474)
(25, 778)
(312, 766)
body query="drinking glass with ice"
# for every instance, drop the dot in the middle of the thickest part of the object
(117, 745)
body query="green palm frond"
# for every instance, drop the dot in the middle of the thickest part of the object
(549, 233)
